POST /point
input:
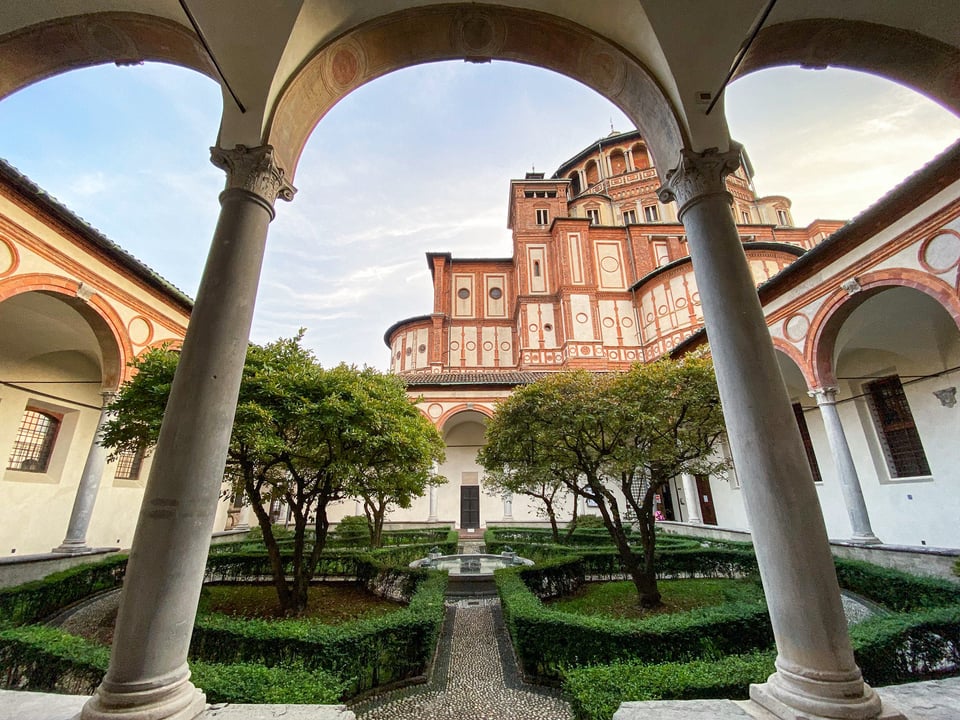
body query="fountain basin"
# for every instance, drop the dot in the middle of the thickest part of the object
(471, 575)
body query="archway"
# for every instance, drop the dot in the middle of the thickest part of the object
(895, 356)
(59, 354)
(462, 498)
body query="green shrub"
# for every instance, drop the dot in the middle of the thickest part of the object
(366, 652)
(548, 641)
(256, 684)
(894, 589)
(39, 599)
(588, 521)
(596, 692)
(44, 659)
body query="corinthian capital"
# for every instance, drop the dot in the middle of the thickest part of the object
(253, 170)
(698, 175)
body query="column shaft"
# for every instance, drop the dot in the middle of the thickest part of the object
(693, 498)
(816, 672)
(846, 470)
(432, 517)
(76, 538)
(148, 675)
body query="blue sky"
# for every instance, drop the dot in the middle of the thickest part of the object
(417, 161)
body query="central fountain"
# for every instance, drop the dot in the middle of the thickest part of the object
(471, 575)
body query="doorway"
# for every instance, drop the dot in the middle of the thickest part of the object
(705, 497)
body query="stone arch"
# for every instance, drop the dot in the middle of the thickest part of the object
(476, 34)
(40, 51)
(790, 351)
(917, 61)
(116, 349)
(441, 422)
(826, 324)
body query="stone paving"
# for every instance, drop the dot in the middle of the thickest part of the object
(475, 677)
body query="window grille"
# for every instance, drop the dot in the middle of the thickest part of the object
(128, 464)
(896, 429)
(34, 443)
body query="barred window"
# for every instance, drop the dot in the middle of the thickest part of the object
(898, 434)
(807, 442)
(34, 443)
(128, 464)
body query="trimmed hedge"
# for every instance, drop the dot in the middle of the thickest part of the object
(548, 641)
(39, 599)
(896, 590)
(43, 659)
(366, 652)
(596, 692)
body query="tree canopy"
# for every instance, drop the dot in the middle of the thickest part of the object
(302, 434)
(616, 439)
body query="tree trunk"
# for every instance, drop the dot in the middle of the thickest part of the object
(551, 513)
(573, 520)
(273, 550)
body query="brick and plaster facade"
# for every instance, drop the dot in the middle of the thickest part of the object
(600, 278)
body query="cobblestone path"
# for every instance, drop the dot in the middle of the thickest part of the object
(475, 677)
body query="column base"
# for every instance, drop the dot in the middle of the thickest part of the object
(181, 701)
(68, 548)
(795, 704)
(870, 539)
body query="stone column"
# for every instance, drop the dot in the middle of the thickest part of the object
(508, 506)
(76, 540)
(692, 496)
(846, 471)
(432, 517)
(816, 673)
(148, 678)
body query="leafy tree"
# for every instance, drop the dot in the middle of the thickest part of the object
(396, 464)
(617, 439)
(302, 434)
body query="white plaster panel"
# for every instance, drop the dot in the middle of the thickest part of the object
(608, 322)
(496, 307)
(463, 307)
(610, 274)
(537, 263)
(505, 346)
(628, 323)
(576, 259)
(470, 346)
(488, 346)
(549, 325)
(581, 313)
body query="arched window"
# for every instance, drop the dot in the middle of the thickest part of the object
(641, 160)
(593, 174)
(34, 443)
(574, 178)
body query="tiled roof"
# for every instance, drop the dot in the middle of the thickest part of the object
(472, 378)
(89, 233)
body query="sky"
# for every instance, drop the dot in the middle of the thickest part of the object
(417, 161)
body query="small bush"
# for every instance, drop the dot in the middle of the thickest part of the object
(596, 692)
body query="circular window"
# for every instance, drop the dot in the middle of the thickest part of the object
(409, 351)
(548, 327)
(463, 293)
(496, 293)
(422, 348)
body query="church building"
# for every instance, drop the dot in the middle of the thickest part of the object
(600, 278)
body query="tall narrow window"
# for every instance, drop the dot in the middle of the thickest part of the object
(34, 443)
(651, 213)
(745, 217)
(128, 464)
(594, 215)
(536, 268)
(782, 217)
(543, 217)
(807, 443)
(629, 217)
(896, 429)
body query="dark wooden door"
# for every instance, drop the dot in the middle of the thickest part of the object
(469, 506)
(707, 511)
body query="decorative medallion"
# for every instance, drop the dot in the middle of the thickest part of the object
(345, 65)
(477, 34)
(602, 70)
(610, 263)
(471, 346)
(608, 322)
(940, 253)
(626, 322)
(454, 345)
(504, 346)
(435, 410)
(581, 317)
(140, 330)
(488, 346)
(795, 327)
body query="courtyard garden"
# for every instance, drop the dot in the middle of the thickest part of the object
(372, 622)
